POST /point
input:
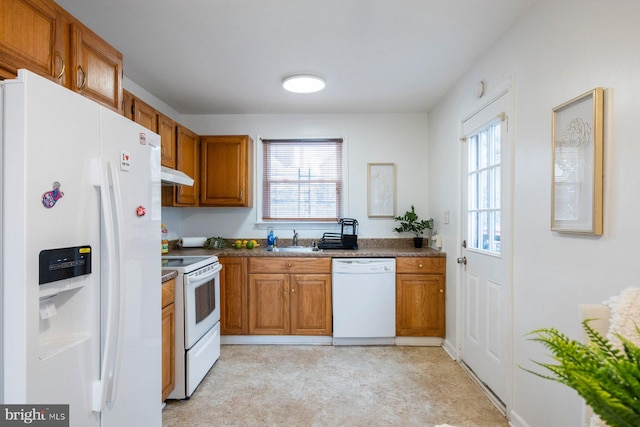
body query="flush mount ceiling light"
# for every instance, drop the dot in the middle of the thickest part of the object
(303, 84)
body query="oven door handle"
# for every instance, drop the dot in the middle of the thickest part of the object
(204, 277)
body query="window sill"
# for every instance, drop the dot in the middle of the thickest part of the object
(299, 225)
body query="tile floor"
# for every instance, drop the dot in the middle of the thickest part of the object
(334, 386)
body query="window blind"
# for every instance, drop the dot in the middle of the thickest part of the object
(302, 179)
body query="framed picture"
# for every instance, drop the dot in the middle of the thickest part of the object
(576, 193)
(381, 190)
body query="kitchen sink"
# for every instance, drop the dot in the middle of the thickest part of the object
(294, 249)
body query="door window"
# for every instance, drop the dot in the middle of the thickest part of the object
(484, 188)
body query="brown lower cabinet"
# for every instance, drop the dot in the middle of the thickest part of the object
(289, 296)
(292, 296)
(420, 296)
(168, 337)
(234, 297)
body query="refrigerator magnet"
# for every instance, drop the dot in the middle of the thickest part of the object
(141, 211)
(50, 198)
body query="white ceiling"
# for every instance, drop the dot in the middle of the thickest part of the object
(230, 56)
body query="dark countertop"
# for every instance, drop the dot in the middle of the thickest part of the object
(168, 275)
(368, 248)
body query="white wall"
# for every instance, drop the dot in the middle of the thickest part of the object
(370, 138)
(560, 49)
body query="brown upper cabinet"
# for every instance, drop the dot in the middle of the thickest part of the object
(145, 115)
(168, 131)
(97, 67)
(31, 36)
(187, 161)
(227, 171)
(188, 155)
(42, 37)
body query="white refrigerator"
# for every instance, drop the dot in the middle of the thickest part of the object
(81, 291)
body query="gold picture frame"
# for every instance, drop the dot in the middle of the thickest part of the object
(577, 139)
(381, 190)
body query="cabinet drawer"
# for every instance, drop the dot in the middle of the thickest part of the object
(289, 265)
(421, 265)
(168, 292)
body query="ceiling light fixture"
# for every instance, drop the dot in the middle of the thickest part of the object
(303, 83)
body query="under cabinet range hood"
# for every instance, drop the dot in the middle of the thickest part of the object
(175, 177)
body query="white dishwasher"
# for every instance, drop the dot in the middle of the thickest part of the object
(364, 301)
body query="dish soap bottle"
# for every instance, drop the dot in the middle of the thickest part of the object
(165, 240)
(270, 240)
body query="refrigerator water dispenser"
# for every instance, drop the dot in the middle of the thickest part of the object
(64, 263)
(65, 299)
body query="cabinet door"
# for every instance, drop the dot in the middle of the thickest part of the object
(420, 304)
(144, 115)
(97, 67)
(31, 37)
(127, 105)
(268, 304)
(227, 171)
(168, 349)
(187, 162)
(234, 301)
(168, 131)
(310, 299)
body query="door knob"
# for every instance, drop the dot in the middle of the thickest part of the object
(462, 260)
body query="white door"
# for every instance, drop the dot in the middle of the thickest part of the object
(485, 256)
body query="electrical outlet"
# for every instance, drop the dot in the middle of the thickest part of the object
(446, 217)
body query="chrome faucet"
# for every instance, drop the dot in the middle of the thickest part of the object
(295, 238)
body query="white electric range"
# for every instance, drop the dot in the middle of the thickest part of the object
(197, 319)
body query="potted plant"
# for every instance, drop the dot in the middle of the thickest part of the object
(410, 223)
(607, 378)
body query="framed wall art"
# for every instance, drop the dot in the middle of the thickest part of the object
(576, 193)
(381, 190)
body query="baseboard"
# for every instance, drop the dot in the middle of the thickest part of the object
(516, 420)
(276, 339)
(363, 341)
(419, 341)
(500, 406)
(325, 340)
(451, 350)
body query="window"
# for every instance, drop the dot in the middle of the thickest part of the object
(302, 179)
(484, 189)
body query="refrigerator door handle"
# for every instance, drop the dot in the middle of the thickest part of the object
(104, 389)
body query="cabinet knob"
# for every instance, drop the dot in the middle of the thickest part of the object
(286, 290)
(289, 265)
(293, 290)
(420, 265)
(441, 290)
